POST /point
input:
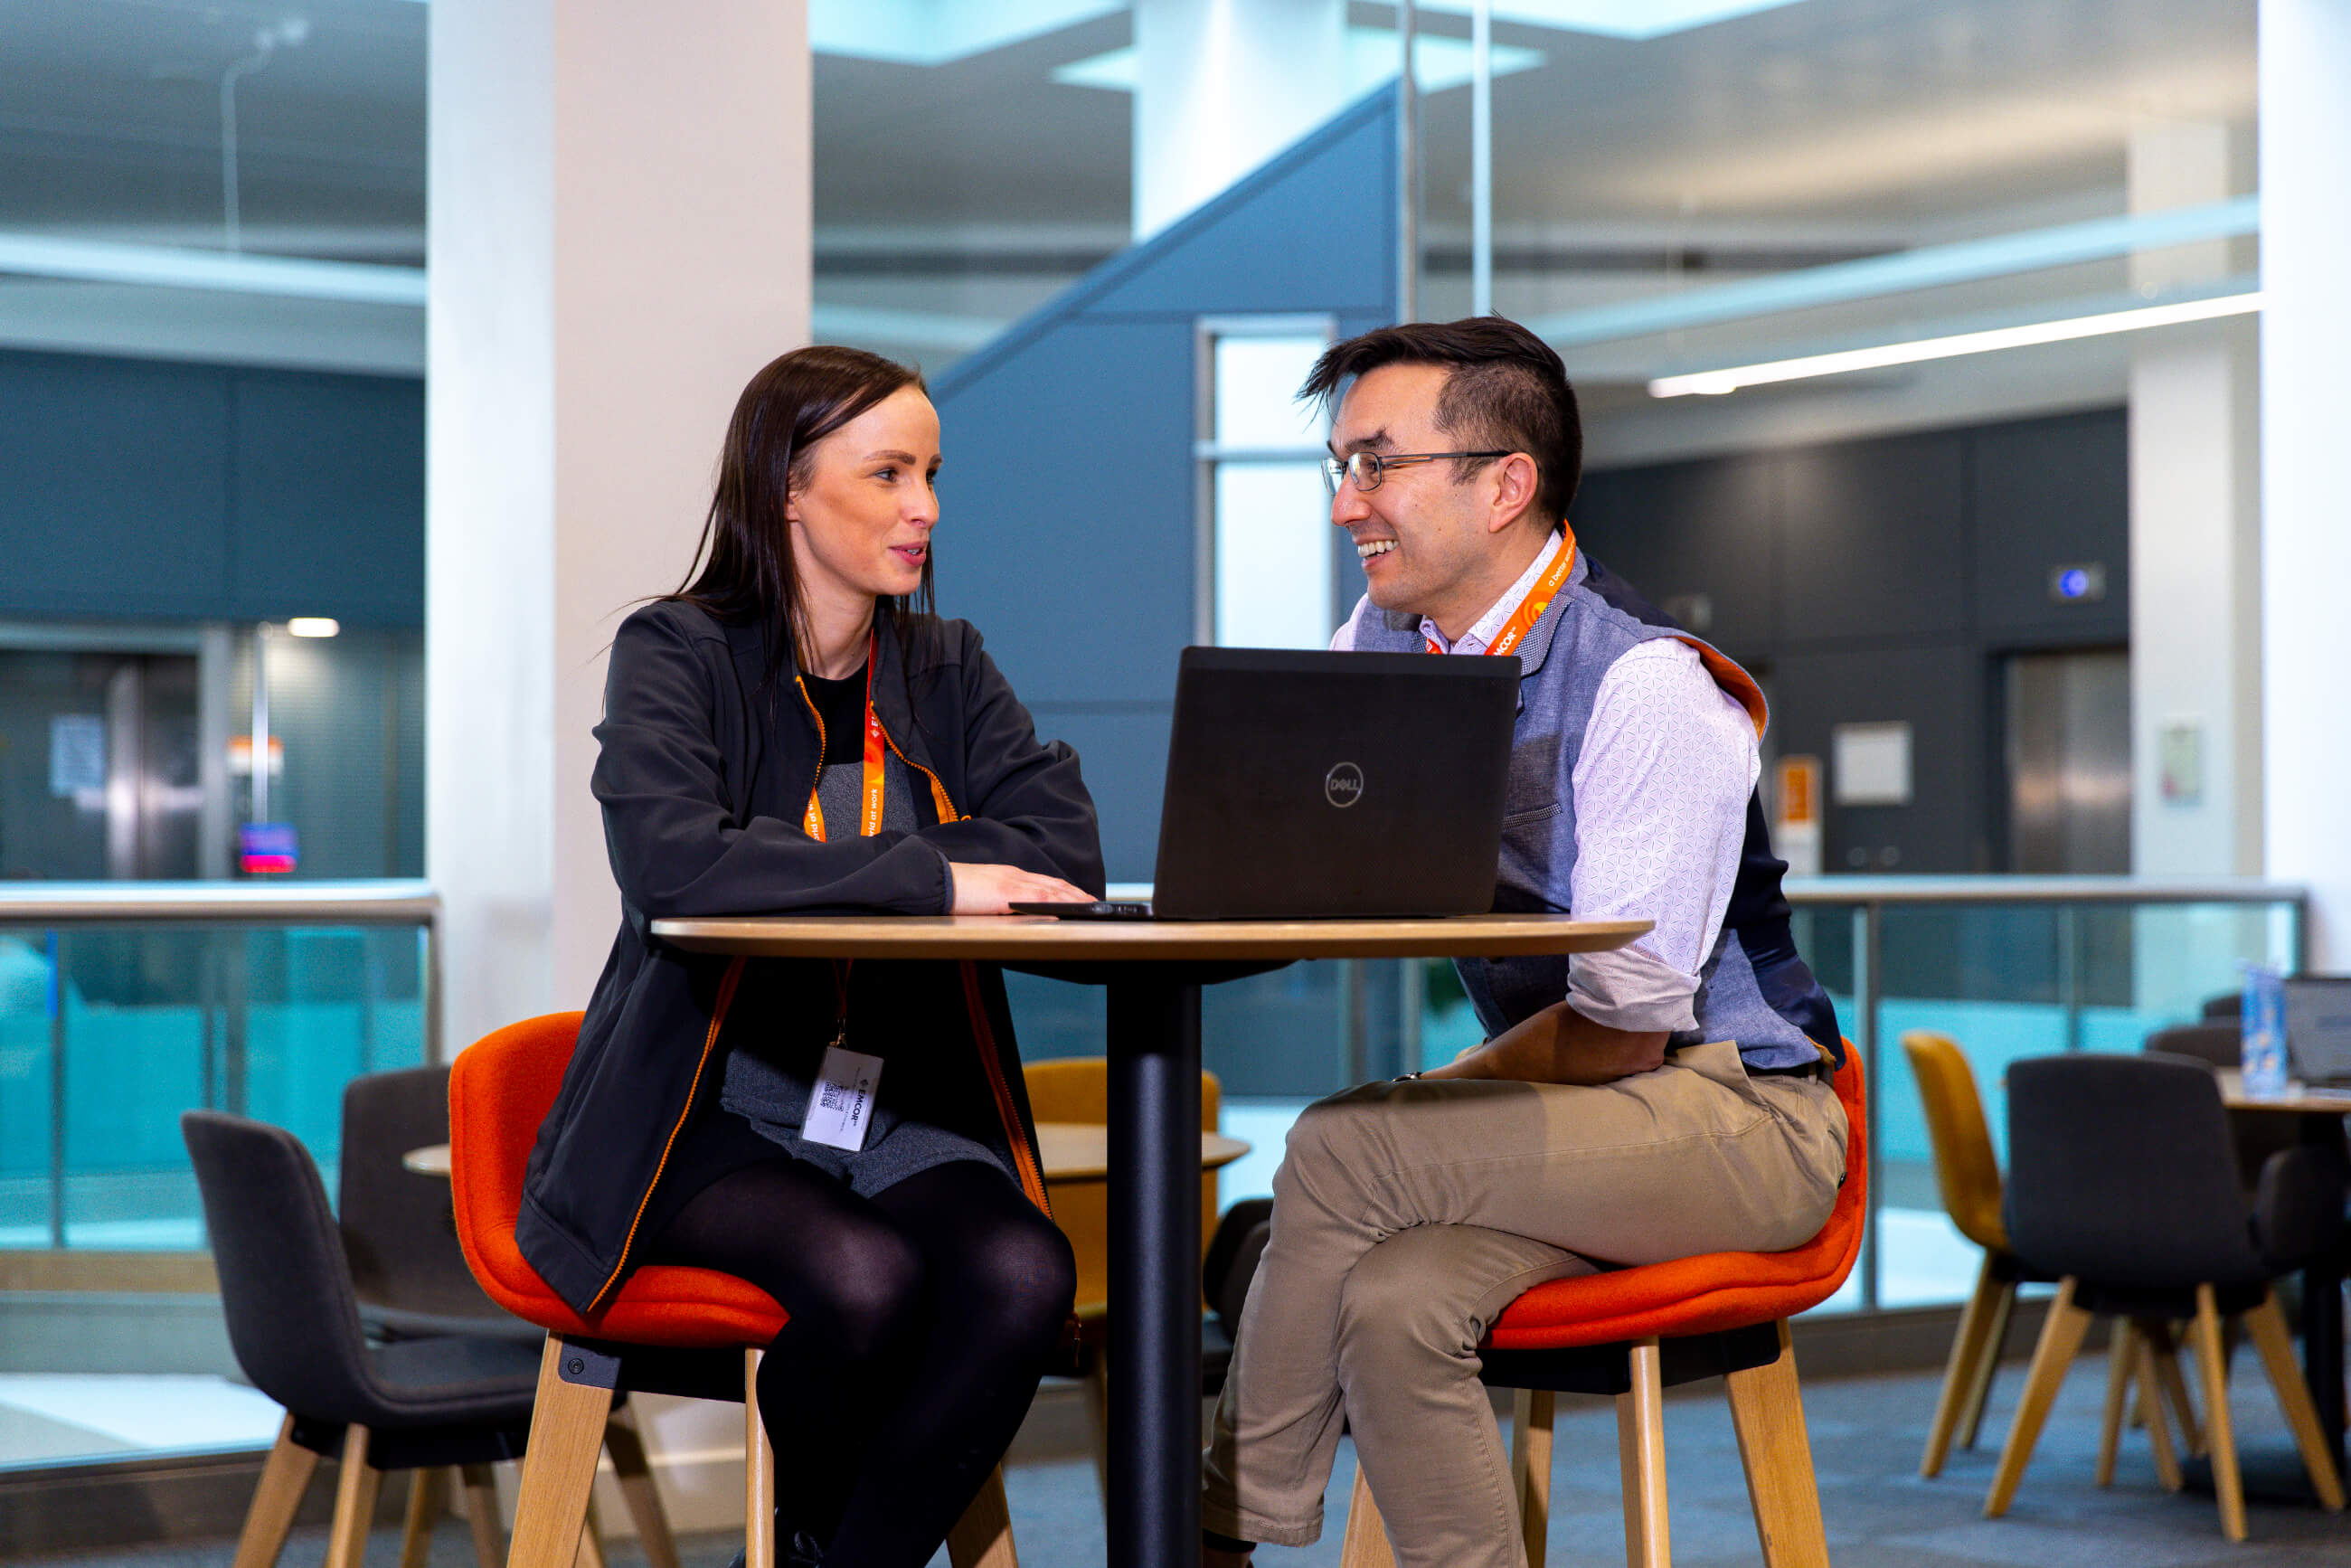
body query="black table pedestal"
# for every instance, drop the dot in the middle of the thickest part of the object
(1154, 1287)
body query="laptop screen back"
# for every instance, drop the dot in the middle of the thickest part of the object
(2318, 1027)
(1333, 784)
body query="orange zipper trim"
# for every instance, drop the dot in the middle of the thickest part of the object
(709, 1041)
(1032, 1178)
(1024, 1155)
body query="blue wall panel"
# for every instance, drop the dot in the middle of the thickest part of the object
(113, 486)
(1065, 523)
(134, 488)
(328, 476)
(1070, 499)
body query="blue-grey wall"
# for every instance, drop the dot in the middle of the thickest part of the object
(1069, 496)
(137, 488)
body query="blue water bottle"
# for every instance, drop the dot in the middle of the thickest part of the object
(2262, 1051)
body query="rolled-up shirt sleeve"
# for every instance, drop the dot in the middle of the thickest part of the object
(1661, 785)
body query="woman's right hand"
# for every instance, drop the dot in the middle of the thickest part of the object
(983, 887)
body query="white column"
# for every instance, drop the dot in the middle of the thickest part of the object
(619, 237)
(2306, 173)
(1223, 85)
(2195, 542)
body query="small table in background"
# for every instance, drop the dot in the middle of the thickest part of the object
(2322, 1112)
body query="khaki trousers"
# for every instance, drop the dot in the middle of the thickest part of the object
(1406, 1215)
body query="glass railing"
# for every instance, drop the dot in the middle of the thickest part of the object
(122, 1005)
(2008, 966)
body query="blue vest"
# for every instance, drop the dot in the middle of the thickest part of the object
(1753, 989)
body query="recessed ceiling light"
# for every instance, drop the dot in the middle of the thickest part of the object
(313, 626)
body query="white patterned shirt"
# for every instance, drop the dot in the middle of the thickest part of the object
(1661, 786)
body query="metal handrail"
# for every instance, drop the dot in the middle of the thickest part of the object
(386, 903)
(1849, 890)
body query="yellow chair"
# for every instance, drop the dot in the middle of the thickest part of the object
(1967, 1173)
(1077, 1089)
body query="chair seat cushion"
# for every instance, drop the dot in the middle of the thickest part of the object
(471, 1378)
(1710, 1292)
(500, 1090)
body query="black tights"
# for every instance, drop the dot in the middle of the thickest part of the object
(921, 1320)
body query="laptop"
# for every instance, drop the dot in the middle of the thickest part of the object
(1304, 786)
(2318, 1027)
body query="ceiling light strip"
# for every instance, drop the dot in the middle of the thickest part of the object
(176, 266)
(1716, 382)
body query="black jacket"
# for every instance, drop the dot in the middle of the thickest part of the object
(704, 772)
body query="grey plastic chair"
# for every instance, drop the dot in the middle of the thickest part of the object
(2258, 1134)
(398, 1230)
(411, 1404)
(2122, 1185)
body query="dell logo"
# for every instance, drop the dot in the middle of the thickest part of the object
(1344, 785)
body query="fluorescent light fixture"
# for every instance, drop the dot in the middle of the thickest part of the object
(313, 626)
(1706, 383)
(182, 266)
(1634, 19)
(1438, 63)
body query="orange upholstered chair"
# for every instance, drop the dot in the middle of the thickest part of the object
(691, 1331)
(1632, 1333)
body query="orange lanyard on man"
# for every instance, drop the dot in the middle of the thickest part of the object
(876, 745)
(1531, 608)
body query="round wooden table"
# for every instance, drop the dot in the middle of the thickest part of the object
(1154, 971)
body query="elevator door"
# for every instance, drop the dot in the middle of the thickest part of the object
(2069, 767)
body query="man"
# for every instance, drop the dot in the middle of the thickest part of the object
(1662, 1100)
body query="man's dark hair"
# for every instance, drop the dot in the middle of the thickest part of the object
(1507, 388)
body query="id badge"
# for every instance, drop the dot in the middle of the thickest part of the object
(841, 1107)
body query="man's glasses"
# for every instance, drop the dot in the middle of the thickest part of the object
(1365, 470)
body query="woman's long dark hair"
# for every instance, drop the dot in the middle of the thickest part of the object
(743, 568)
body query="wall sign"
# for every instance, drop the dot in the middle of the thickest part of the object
(1872, 764)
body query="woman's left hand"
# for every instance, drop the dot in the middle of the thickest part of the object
(987, 888)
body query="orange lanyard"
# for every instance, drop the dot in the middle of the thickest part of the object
(1531, 608)
(876, 745)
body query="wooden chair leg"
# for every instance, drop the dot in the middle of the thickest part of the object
(269, 1517)
(482, 1515)
(424, 1508)
(592, 1538)
(1641, 1462)
(758, 1474)
(2165, 1349)
(356, 1485)
(2061, 1337)
(2122, 1369)
(2158, 1429)
(1987, 1364)
(1768, 1408)
(558, 1468)
(982, 1538)
(1098, 1417)
(1960, 1374)
(1531, 1425)
(2219, 1435)
(2265, 1325)
(1365, 1543)
(627, 1451)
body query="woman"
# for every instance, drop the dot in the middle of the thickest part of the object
(795, 731)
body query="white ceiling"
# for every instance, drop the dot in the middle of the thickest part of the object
(1896, 115)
